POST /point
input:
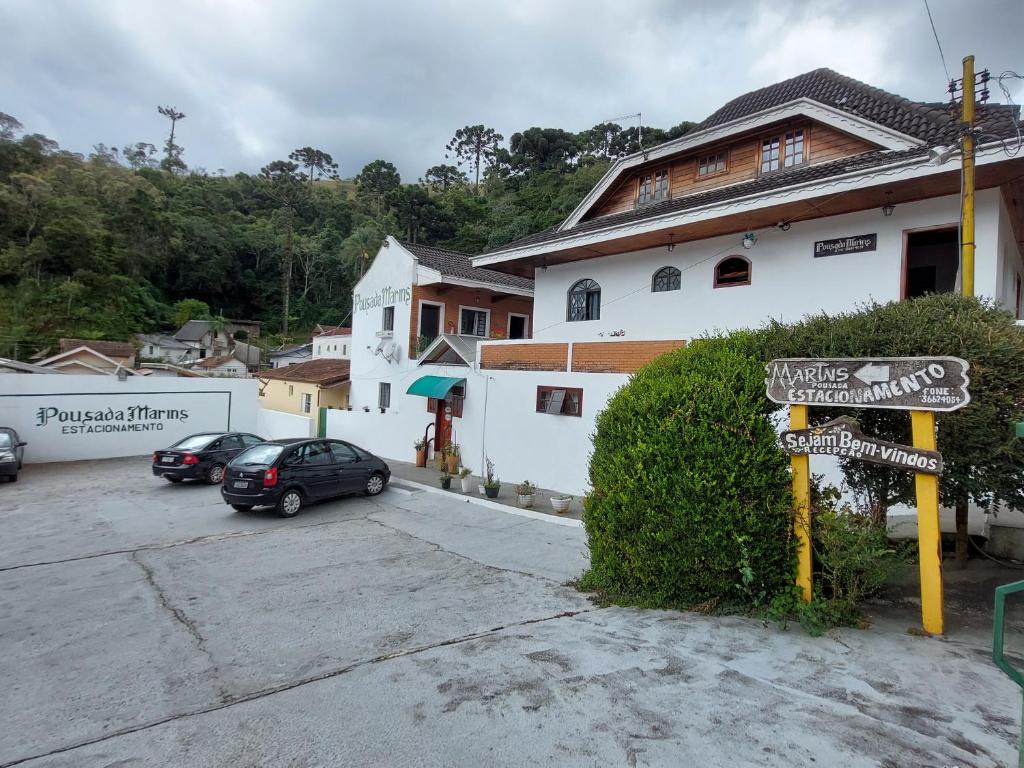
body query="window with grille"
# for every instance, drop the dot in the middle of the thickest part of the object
(584, 301)
(652, 187)
(560, 401)
(307, 402)
(793, 153)
(710, 164)
(732, 270)
(388, 320)
(666, 279)
(784, 151)
(473, 322)
(770, 154)
(384, 395)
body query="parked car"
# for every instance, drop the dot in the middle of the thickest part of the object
(12, 452)
(202, 456)
(288, 474)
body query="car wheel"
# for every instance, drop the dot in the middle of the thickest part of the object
(375, 484)
(12, 478)
(242, 507)
(173, 479)
(215, 474)
(289, 504)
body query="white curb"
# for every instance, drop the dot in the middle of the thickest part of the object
(471, 499)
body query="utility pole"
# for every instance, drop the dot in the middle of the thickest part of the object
(967, 160)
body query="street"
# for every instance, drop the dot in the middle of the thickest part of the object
(145, 624)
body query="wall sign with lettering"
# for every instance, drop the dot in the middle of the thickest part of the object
(841, 245)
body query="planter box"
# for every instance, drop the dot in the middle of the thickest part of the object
(467, 484)
(561, 506)
(525, 500)
(491, 493)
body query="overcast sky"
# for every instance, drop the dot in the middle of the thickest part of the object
(379, 79)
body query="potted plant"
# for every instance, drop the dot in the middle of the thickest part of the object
(560, 502)
(525, 492)
(446, 481)
(421, 452)
(466, 476)
(451, 457)
(491, 484)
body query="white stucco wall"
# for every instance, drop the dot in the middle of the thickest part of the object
(278, 425)
(332, 347)
(787, 281)
(69, 418)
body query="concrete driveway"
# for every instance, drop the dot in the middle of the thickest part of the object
(144, 624)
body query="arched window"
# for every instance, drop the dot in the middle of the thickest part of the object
(584, 301)
(665, 279)
(732, 270)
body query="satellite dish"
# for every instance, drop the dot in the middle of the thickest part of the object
(380, 347)
(391, 351)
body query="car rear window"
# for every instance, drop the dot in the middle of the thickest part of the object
(194, 443)
(5, 440)
(265, 453)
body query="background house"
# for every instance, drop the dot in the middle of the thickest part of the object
(93, 357)
(161, 347)
(333, 342)
(303, 388)
(222, 365)
(290, 354)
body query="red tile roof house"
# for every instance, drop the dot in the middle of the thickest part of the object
(816, 193)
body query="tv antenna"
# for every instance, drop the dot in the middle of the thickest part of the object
(639, 125)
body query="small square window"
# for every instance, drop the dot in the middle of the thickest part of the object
(653, 187)
(388, 320)
(474, 322)
(711, 164)
(563, 401)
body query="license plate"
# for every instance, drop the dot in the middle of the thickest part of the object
(240, 484)
(167, 459)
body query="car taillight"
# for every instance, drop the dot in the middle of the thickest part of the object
(270, 478)
(155, 458)
(190, 458)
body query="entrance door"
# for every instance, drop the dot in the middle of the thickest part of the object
(516, 326)
(442, 427)
(430, 322)
(932, 261)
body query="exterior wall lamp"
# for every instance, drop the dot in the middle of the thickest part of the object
(887, 209)
(671, 245)
(749, 240)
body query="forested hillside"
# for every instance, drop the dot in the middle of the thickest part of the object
(105, 245)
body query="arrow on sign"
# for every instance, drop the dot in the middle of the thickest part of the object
(873, 373)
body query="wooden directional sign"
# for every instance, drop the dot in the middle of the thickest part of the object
(842, 437)
(903, 383)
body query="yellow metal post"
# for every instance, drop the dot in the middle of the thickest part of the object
(967, 212)
(801, 466)
(929, 538)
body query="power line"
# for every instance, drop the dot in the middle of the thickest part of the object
(942, 56)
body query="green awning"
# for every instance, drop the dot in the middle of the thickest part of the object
(433, 386)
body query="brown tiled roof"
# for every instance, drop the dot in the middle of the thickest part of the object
(455, 264)
(931, 123)
(214, 362)
(324, 372)
(332, 330)
(108, 348)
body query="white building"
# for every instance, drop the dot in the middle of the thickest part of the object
(290, 354)
(815, 194)
(332, 342)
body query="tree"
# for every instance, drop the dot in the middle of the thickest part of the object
(542, 149)
(172, 161)
(416, 212)
(475, 145)
(281, 183)
(318, 163)
(139, 155)
(374, 183)
(441, 178)
(359, 248)
(599, 140)
(190, 309)
(9, 127)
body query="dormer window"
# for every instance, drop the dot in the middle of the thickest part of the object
(652, 187)
(783, 151)
(711, 164)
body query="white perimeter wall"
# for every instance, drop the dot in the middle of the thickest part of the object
(277, 425)
(787, 281)
(68, 418)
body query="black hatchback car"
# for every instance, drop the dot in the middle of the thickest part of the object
(12, 452)
(288, 474)
(202, 456)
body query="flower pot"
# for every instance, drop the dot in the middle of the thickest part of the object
(480, 489)
(421, 457)
(446, 483)
(491, 491)
(453, 463)
(467, 484)
(525, 500)
(561, 506)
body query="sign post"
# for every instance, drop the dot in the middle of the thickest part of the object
(801, 466)
(920, 385)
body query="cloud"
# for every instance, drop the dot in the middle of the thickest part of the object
(394, 80)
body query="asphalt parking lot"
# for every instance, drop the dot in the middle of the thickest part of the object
(144, 624)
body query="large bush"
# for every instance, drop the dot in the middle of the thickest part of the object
(690, 498)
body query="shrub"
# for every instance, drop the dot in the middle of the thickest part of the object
(690, 499)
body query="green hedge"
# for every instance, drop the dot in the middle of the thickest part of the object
(690, 497)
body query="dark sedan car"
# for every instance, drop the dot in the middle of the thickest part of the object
(288, 474)
(12, 451)
(202, 456)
